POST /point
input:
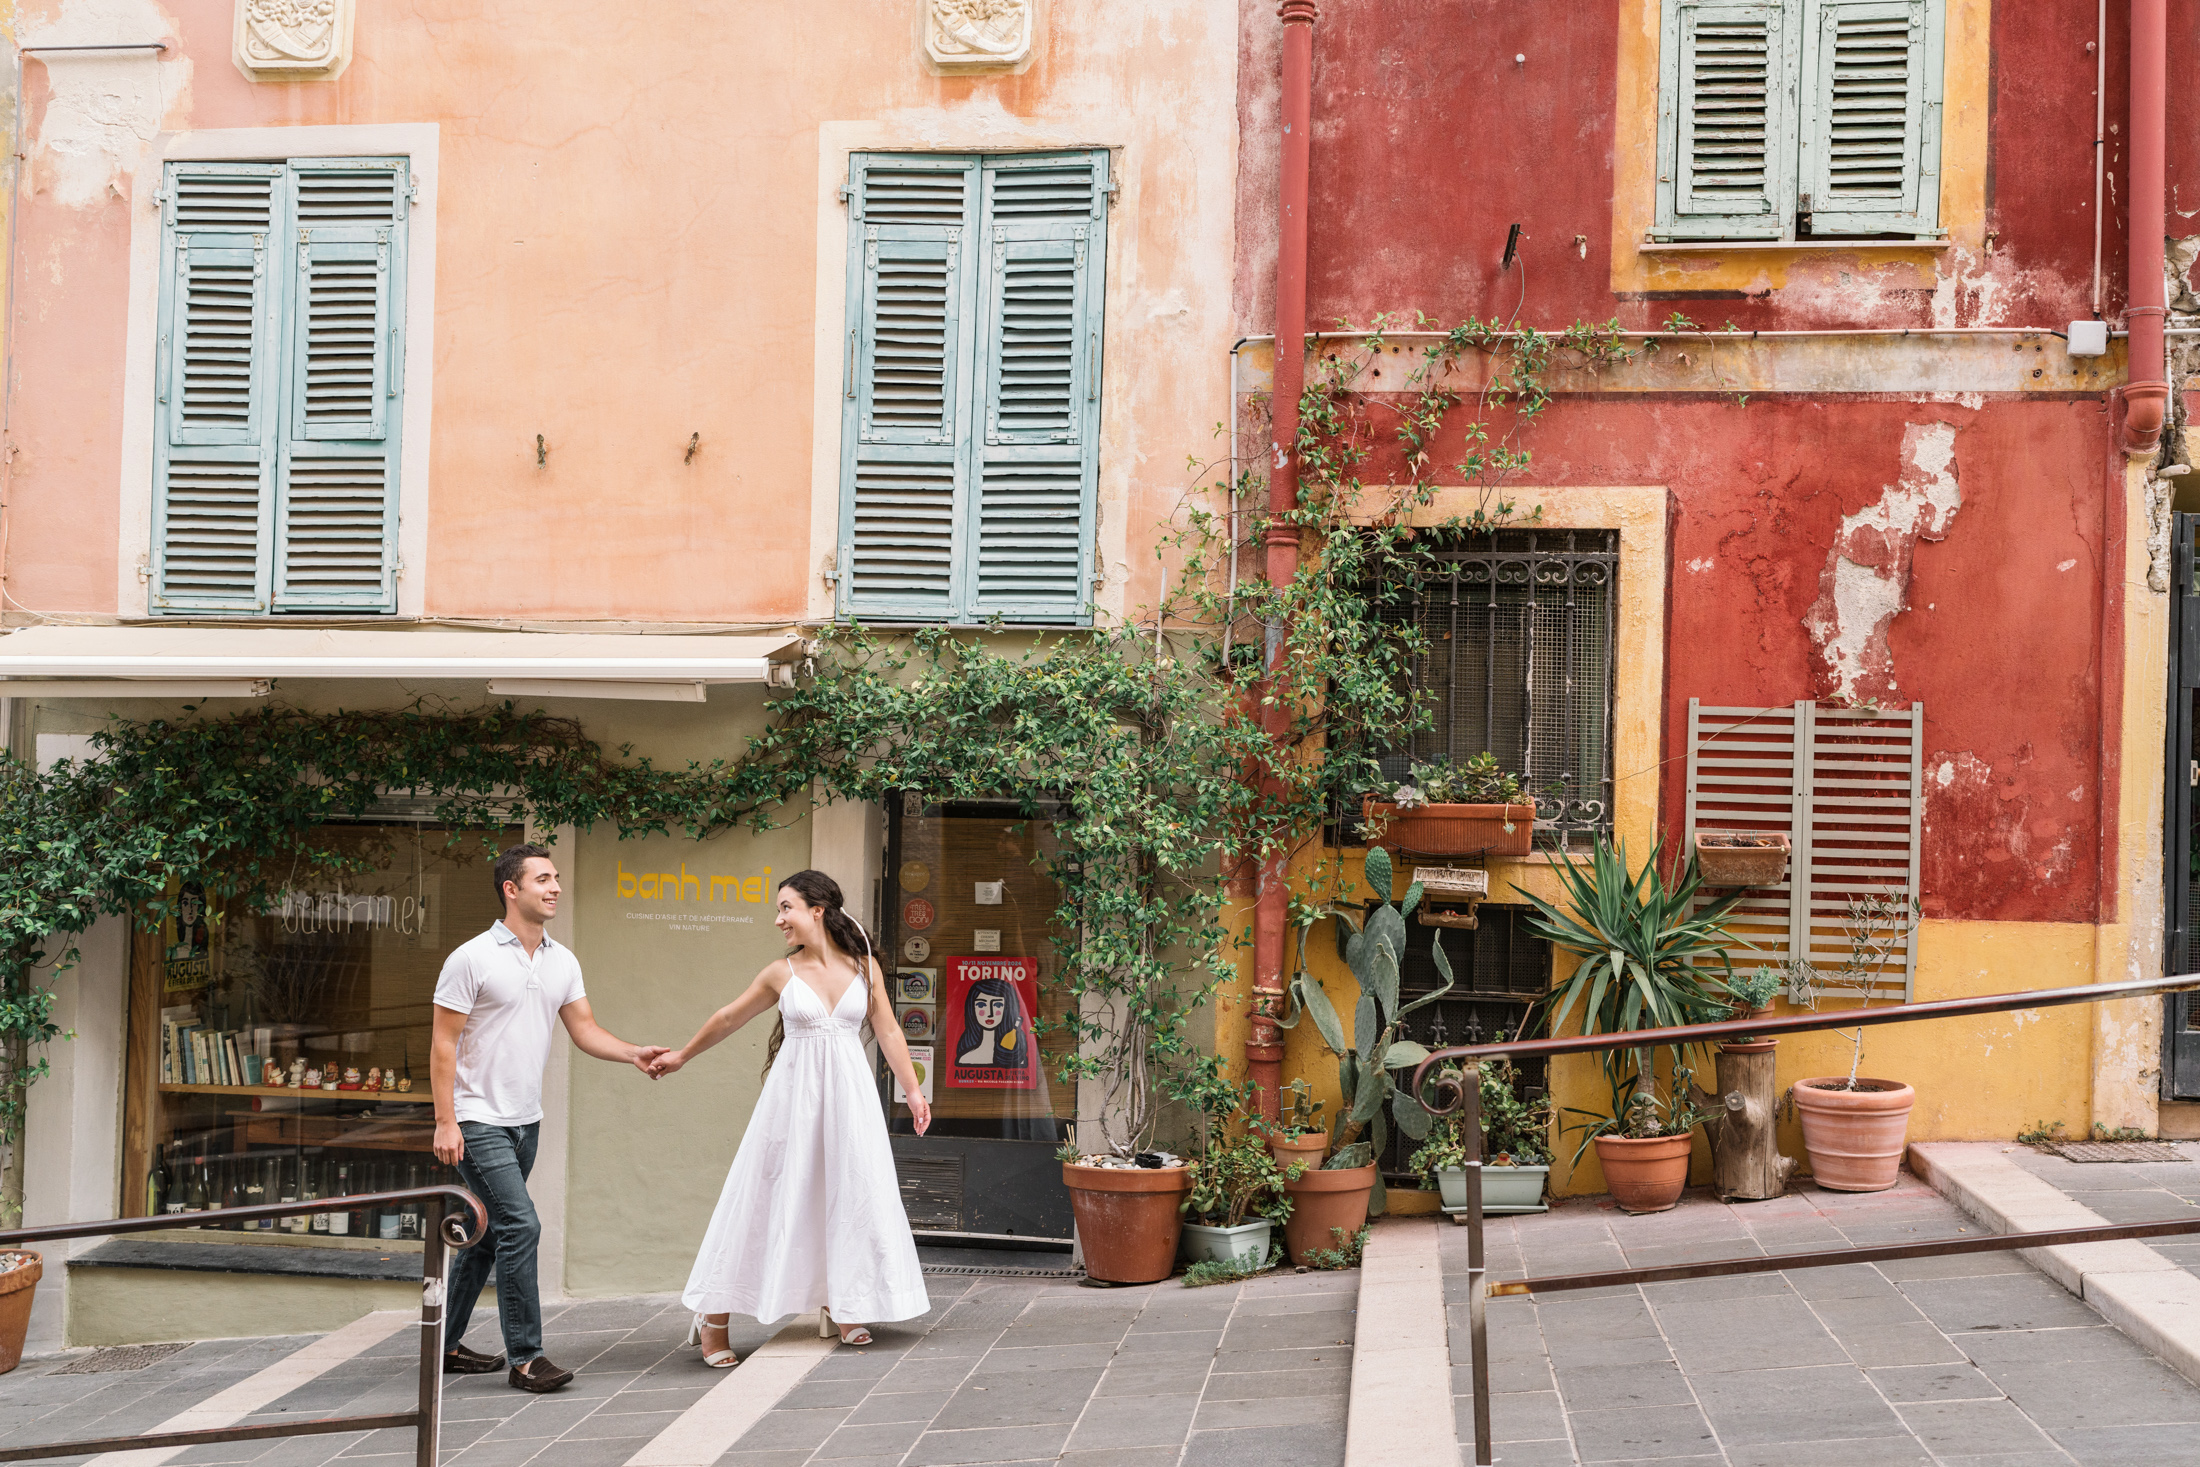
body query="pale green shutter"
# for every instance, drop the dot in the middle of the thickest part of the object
(1726, 122)
(905, 404)
(216, 387)
(337, 474)
(1034, 470)
(1871, 116)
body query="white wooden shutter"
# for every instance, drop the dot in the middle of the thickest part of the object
(337, 498)
(1035, 470)
(1846, 786)
(1870, 158)
(216, 388)
(1726, 129)
(906, 412)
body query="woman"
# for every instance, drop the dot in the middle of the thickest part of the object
(993, 1027)
(811, 1214)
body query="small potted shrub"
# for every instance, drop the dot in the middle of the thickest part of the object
(1644, 1145)
(1742, 858)
(1237, 1197)
(1855, 1129)
(1750, 996)
(1516, 1156)
(1475, 808)
(1297, 1136)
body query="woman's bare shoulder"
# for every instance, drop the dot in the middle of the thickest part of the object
(774, 974)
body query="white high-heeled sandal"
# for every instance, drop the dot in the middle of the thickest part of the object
(716, 1359)
(855, 1334)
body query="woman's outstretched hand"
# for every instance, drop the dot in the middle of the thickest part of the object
(664, 1064)
(920, 1113)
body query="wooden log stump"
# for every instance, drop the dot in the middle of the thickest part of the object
(1746, 1164)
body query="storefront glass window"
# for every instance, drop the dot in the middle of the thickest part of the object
(969, 944)
(284, 1055)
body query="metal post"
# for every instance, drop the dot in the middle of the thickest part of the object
(1478, 1344)
(432, 1286)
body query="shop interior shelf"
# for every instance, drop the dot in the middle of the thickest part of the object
(260, 1128)
(379, 1097)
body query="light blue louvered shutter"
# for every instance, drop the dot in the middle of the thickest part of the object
(1028, 555)
(905, 405)
(1870, 160)
(337, 474)
(216, 388)
(1726, 120)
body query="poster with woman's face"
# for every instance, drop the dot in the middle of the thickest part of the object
(987, 1022)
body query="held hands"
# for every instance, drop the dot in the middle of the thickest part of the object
(449, 1145)
(646, 1057)
(663, 1063)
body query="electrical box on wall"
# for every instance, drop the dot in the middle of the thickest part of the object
(2089, 338)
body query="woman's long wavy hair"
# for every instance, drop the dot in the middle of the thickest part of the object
(844, 932)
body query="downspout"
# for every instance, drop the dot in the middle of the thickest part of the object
(2146, 394)
(1264, 1040)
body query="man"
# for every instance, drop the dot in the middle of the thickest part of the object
(496, 1004)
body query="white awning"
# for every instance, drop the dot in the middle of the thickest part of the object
(136, 661)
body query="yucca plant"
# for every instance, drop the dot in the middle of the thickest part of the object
(1648, 956)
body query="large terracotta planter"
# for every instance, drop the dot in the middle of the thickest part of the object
(1648, 1175)
(1322, 1200)
(1309, 1149)
(1855, 1137)
(1451, 830)
(16, 1288)
(1763, 862)
(1127, 1222)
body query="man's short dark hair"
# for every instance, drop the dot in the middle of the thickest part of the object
(513, 864)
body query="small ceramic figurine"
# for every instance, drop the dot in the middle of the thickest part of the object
(313, 1077)
(351, 1078)
(374, 1077)
(297, 1073)
(330, 1082)
(404, 1083)
(272, 1073)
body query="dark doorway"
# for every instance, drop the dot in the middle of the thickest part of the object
(2181, 851)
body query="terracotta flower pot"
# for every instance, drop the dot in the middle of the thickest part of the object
(1648, 1175)
(1451, 830)
(1855, 1137)
(1309, 1148)
(1127, 1221)
(1323, 1200)
(17, 1286)
(1763, 862)
(1750, 1046)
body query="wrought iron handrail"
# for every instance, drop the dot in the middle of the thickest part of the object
(1459, 1091)
(443, 1231)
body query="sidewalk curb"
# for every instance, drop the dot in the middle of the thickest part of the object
(2130, 1285)
(708, 1429)
(1401, 1354)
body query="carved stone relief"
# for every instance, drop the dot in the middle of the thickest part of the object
(293, 40)
(969, 35)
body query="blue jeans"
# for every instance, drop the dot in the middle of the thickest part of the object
(495, 1168)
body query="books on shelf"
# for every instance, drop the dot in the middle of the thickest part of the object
(192, 1054)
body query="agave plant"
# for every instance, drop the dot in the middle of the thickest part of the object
(1647, 956)
(1377, 1051)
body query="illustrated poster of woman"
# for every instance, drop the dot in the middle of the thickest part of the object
(993, 1044)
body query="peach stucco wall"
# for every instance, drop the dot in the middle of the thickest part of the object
(627, 252)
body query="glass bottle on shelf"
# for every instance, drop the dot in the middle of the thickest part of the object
(271, 1188)
(339, 1222)
(294, 1190)
(226, 1190)
(194, 1190)
(389, 1221)
(251, 1190)
(317, 1171)
(409, 1222)
(157, 1183)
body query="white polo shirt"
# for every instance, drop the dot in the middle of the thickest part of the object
(511, 1004)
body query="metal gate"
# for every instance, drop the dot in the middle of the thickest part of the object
(2180, 876)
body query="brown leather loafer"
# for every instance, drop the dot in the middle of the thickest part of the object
(458, 1360)
(540, 1376)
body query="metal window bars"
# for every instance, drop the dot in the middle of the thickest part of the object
(455, 1219)
(1452, 1072)
(1518, 629)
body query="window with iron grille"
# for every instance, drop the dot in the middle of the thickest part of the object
(1517, 630)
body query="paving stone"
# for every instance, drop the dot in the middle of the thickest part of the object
(2101, 1394)
(2128, 1446)
(1260, 1446)
(890, 1439)
(1263, 1385)
(1019, 1399)
(1124, 1457)
(2010, 1301)
(1973, 1428)
(1880, 1451)
(1904, 1383)
(1609, 1387)
(780, 1430)
(1641, 1433)
(1757, 1407)
(1154, 1421)
(882, 1406)
(996, 1444)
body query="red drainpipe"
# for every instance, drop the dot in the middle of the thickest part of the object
(2146, 395)
(1264, 1044)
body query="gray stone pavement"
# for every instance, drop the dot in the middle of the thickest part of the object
(2129, 1192)
(1973, 1361)
(1001, 1370)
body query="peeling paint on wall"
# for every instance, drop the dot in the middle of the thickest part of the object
(102, 107)
(1866, 582)
(1981, 816)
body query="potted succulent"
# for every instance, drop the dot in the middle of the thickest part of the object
(1475, 808)
(1237, 1197)
(1346, 1190)
(1742, 858)
(1516, 1156)
(1856, 1130)
(1750, 996)
(1297, 1135)
(1646, 958)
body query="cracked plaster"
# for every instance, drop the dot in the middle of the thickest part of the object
(101, 108)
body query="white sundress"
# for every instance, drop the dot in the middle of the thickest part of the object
(811, 1213)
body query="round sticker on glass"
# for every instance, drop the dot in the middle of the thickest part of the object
(914, 876)
(917, 913)
(916, 950)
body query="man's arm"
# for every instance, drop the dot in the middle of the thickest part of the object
(594, 1039)
(443, 1080)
